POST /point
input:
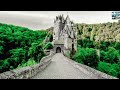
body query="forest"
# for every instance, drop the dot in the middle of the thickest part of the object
(20, 46)
(99, 47)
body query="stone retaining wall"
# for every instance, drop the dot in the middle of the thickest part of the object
(98, 74)
(27, 72)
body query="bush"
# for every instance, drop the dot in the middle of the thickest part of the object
(87, 56)
(79, 42)
(15, 42)
(48, 45)
(1, 63)
(97, 45)
(5, 66)
(36, 51)
(28, 63)
(104, 45)
(111, 69)
(111, 56)
(102, 55)
(17, 56)
(117, 46)
(39, 52)
(50, 37)
(86, 43)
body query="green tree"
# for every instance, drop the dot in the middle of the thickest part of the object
(87, 56)
(48, 45)
(15, 42)
(51, 37)
(5, 66)
(92, 33)
(117, 46)
(36, 52)
(1, 50)
(17, 56)
(111, 69)
(112, 55)
(85, 43)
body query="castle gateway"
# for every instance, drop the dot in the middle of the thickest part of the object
(64, 35)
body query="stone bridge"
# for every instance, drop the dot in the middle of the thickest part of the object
(56, 66)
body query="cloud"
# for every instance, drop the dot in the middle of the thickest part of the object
(25, 20)
(44, 19)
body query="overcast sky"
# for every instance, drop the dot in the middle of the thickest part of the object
(44, 19)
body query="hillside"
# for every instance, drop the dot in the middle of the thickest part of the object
(20, 46)
(103, 32)
(99, 46)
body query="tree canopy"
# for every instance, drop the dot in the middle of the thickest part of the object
(18, 45)
(103, 37)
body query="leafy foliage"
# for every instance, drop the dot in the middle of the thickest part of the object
(49, 45)
(86, 43)
(103, 37)
(51, 37)
(111, 69)
(18, 45)
(28, 63)
(117, 46)
(39, 53)
(87, 56)
(111, 56)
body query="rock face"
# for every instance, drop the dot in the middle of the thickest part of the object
(64, 34)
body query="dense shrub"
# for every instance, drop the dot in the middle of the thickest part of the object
(16, 42)
(96, 45)
(104, 45)
(87, 56)
(118, 70)
(105, 38)
(111, 69)
(117, 46)
(50, 37)
(28, 63)
(36, 51)
(5, 66)
(48, 45)
(86, 43)
(102, 55)
(111, 56)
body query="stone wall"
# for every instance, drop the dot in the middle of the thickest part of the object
(67, 53)
(47, 52)
(27, 72)
(91, 71)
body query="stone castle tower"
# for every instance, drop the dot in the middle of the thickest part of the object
(64, 35)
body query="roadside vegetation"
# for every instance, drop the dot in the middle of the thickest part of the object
(20, 46)
(99, 47)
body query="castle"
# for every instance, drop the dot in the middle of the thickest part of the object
(64, 35)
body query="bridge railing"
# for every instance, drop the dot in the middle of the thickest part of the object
(91, 71)
(29, 71)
